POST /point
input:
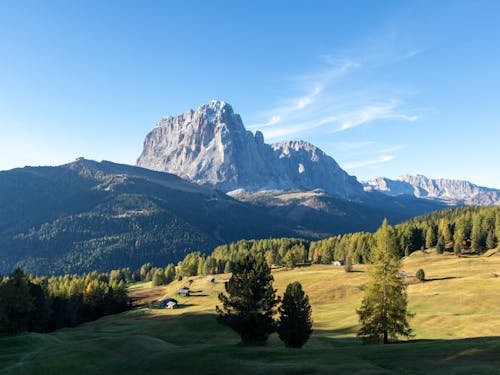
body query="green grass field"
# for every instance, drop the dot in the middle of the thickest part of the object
(457, 326)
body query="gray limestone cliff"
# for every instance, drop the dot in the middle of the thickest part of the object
(210, 146)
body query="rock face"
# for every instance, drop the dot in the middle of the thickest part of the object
(452, 191)
(210, 146)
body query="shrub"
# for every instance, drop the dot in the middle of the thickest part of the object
(421, 274)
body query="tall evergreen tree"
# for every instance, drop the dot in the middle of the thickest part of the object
(497, 223)
(383, 313)
(295, 322)
(477, 237)
(430, 237)
(440, 246)
(491, 240)
(16, 303)
(249, 306)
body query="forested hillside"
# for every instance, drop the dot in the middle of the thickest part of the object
(88, 216)
(460, 230)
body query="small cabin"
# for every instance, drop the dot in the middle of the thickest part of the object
(171, 305)
(164, 302)
(184, 291)
(338, 263)
(211, 279)
(404, 274)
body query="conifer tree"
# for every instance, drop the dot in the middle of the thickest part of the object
(249, 305)
(295, 322)
(491, 240)
(383, 313)
(477, 237)
(440, 246)
(169, 273)
(430, 237)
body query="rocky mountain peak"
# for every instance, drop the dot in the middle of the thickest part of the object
(210, 146)
(451, 191)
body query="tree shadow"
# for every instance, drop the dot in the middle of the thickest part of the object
(443, 278)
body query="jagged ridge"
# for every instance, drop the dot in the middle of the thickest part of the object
(210, 146)
(452, 191)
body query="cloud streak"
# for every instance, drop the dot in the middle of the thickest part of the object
(331, 105)
(365, 163)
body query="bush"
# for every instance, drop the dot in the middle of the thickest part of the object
(421, 274)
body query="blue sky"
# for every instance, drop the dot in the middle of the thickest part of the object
(385, 88)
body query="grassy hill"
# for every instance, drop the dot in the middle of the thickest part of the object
(457, 326)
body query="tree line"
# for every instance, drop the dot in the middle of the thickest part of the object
(40, 304)
(460, 229)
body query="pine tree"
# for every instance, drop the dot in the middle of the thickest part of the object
(169, 273)
(249, 306)
(491, 240)
(383, 313)
(497, 223)
(440, 246)
(16, 303)
(457, 247)
(430, 237)
(158, 277)
(295, 322)
(477, 237)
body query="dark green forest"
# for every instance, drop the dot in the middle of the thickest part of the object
(41, 304)
(88, 216)
(29, 303)
(464, 229)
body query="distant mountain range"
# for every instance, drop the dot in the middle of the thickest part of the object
(455, 192)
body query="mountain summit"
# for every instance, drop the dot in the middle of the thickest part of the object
(210, 146)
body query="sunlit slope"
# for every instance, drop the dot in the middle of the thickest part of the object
(459, 302)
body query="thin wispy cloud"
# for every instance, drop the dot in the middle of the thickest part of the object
(295, 107)
(328, 106)
(365, 163)
(372, 112)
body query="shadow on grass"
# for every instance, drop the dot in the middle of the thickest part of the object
(211, 348)
(443, 278)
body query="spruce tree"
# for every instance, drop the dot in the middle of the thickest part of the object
(250, 302)
(477, 237)
(440, 245)
(16, 303)
(430, 237)
(295, 323)
(491, 240)
(383, 313)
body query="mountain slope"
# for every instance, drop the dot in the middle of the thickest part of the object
(87, 216)
(450, 191)
(210, 146)
(96, 216)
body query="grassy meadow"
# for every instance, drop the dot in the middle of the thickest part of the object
(457, 329)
